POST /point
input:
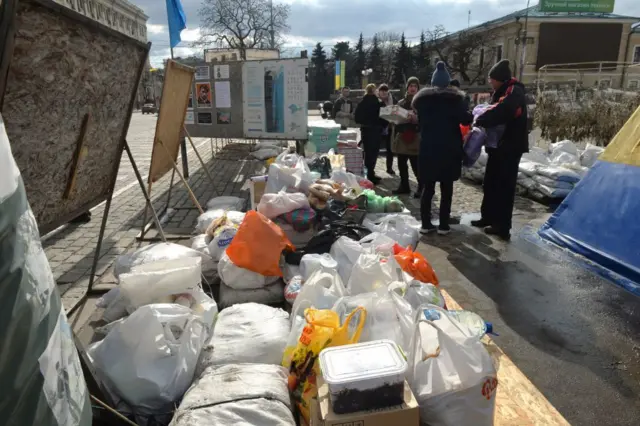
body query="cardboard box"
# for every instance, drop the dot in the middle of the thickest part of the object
(256, 186)
(408, 414)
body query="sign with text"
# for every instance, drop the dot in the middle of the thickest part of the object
(593, 6)
(275, 95)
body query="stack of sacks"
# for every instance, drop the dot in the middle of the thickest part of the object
(550, 175)
(292, 212)
(476, 171)
(323, 136)
(250, 267)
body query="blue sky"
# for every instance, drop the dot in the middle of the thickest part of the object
(329, 21)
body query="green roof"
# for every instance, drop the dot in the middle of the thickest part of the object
(535, 13)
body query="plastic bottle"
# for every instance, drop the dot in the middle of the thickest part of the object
(476, 325)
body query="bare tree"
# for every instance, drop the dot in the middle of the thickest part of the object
(469, 53)
(389, 43)
(243, 24)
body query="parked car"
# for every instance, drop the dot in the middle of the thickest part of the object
(149, 109)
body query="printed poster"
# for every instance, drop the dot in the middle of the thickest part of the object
(205, 118)
(223, 94)
(275, 95)
(224, 117)
(189, 118)
(202, 73)
(203, 95)
(221, 72)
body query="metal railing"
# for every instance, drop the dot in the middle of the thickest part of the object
(603, 75)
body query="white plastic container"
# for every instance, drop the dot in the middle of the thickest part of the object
(364, 376)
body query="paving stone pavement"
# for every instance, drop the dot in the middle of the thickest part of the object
(71, 249)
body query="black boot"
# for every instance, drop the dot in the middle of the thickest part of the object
(481, 223)
(402, 190)
(504, 235)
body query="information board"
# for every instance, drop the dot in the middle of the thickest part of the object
(593, 6)
(275, 95)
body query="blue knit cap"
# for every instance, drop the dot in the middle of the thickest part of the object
(440, 76)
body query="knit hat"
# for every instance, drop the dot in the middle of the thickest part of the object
(440, 76)
(455, 83)
(501, 71)
(413, 80)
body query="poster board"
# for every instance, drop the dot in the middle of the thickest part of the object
(275, 97)
(222, 116)
(176, 91)
(242, 102)
(63, 67)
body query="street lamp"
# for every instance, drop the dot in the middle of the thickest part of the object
(365, 74)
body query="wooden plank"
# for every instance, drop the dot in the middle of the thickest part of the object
(80, 153)
(173, 107)
(518, 401)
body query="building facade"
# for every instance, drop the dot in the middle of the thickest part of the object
(589, 49)
(119, 15)
(225, 54)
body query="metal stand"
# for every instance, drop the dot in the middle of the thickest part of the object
(103, 225)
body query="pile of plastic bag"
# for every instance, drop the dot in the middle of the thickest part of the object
(546, 174)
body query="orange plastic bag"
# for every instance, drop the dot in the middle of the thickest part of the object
(258, 244)
(416, 265)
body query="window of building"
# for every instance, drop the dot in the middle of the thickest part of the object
(603, 84)
(498, 53)
(633, 85)
(636, 54)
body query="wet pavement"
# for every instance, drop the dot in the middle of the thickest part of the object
(574, 334)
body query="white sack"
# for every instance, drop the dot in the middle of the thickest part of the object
(552, 192)
(154, 253)
(270, 144)
(564, 146)
(241, 278)
(536, 155)
(451, 373)
(267, 152)
(558, 173)
(274, 205)
(226, 202)
(247, 333)
(551, 183)
(222, 240)
(590, 155)
(200, 243)
(561, 158)
(237, 394)
(271, 294)
(295, 179)
(528, 168)
(149, 359)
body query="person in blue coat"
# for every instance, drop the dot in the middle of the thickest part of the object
(441, 110)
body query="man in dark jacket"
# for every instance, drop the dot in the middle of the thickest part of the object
(343, 108)
(441, 110)
(367, 115)
(510, 110)
(406, 141)
(387, 99)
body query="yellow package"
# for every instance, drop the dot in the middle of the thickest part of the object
(322, 330)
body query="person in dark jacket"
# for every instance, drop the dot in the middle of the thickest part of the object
(343, 109)
(441, 109)
(510, 109)
(387, 99)
(406, 142)
(367, 115)
(455, 83)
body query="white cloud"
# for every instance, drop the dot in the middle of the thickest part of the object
(156, 29)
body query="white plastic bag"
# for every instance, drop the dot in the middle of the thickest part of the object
(346, 178)
(564, 146)
(154, 253)
(274, 205)
(451, 373)
(346, 252)
(321, 291)
(382, 320)
(267, 152)
(418, 293)
(247, 333)
(240, 278)
(272, 294)
(371, 272)
(205, 219)
(226, 202)
(403, 229)
(149, 359)
(237, 394)
(310, 263)
(292, 179)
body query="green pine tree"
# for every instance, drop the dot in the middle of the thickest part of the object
(375, 60)
(323, 82)
(403, 63)
(360, 60)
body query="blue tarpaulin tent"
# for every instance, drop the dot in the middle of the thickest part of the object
(600, 219)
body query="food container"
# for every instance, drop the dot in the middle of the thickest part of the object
(364, 376)
(394, 114)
